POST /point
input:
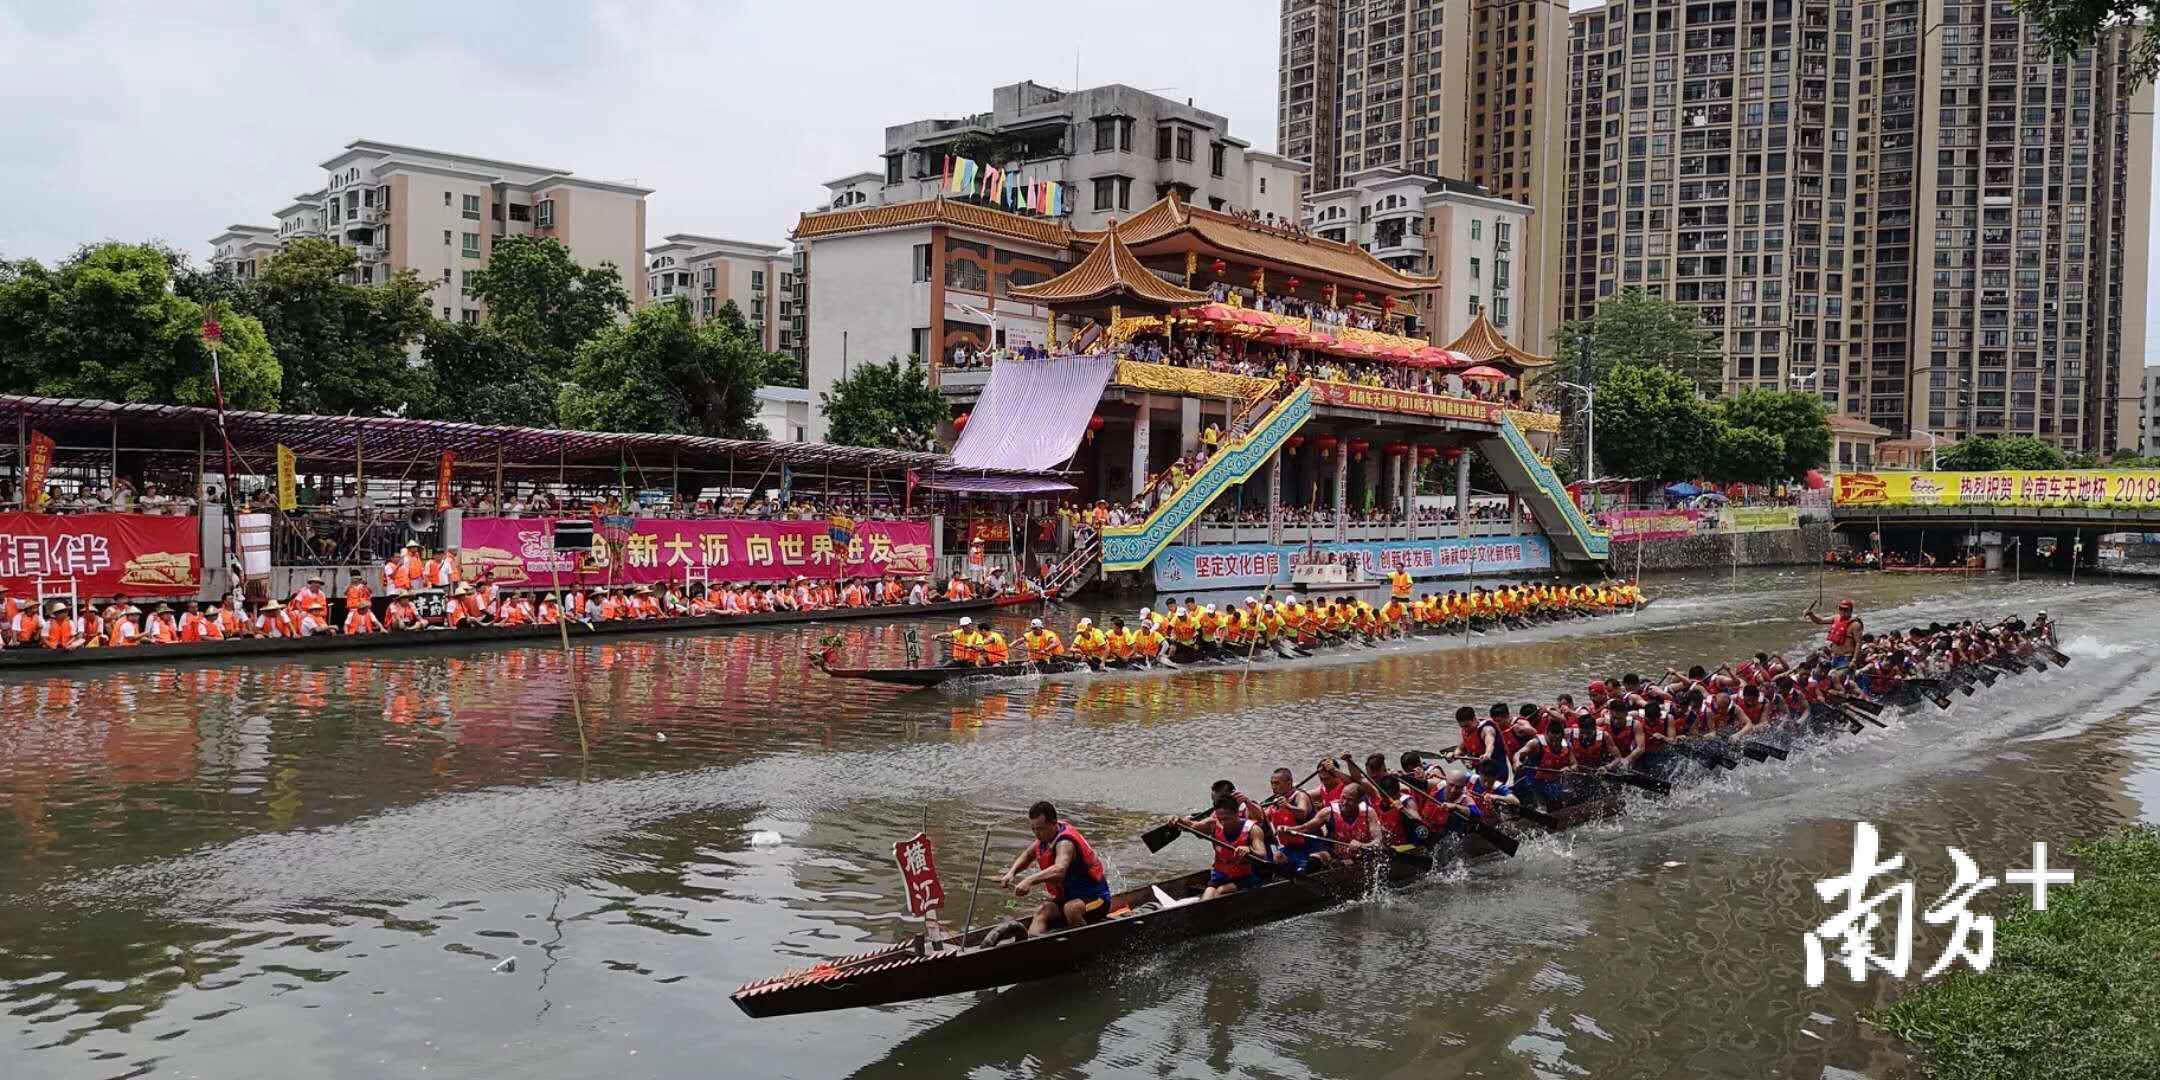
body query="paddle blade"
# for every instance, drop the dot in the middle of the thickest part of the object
(1755, 752)
(1496, 837)
(1161, 836)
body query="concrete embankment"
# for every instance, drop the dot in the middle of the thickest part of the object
(1783, 547)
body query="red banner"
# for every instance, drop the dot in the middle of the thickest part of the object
(442, 481)
(520, 551)
(35, 467)
(103, 554)
(1382, 399)
(990, 530)
(918, 867)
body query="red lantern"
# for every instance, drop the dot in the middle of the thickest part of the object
(959, 423)
(1293, 442)
(1387, 303)
(1398, 449)
(1358, 448)
(1290, 284)
(1219, 267)
(1094, 425)
(1454, 453)
(1327, 444)
(1359, 298)
(1427, 453)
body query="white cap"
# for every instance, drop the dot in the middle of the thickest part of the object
(1085, 622)
(1144, 613)
(1035, 624)
(1251, 600)
(965, 621)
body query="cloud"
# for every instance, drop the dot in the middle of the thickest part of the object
(133, 121)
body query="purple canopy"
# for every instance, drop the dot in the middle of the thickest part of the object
(1032, 413)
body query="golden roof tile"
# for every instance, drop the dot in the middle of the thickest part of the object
(935, 211)
(1483, 344)
(1109, 272)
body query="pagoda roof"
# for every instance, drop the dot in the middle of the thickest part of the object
(1484, 344)
(935, 211)
(1172, 225)
(1110, 272)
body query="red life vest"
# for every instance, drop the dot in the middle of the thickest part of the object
(1332, 794)
(1087, 863)
(1754, 715)
(1283, 816)
(1391, 822)
(1230, 861)
(1592, 752)
(1841, 630)
(1623, 738)
(1344, 830)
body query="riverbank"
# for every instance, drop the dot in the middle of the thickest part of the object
(2074, 990)
(1709, 551)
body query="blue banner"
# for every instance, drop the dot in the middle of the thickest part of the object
(1197, 568)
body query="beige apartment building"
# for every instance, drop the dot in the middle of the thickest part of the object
(1467, 89)
(1908, 206)
(1429, 225)
(440, 215)
(706, 272)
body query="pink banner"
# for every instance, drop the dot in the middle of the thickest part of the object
(521, 551)
(101, 554)
(1652, 524)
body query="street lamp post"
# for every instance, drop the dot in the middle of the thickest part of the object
(1589, 429)
(1934, 462)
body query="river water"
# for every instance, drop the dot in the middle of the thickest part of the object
(318, 868)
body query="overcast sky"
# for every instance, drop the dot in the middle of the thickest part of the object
(172, 120)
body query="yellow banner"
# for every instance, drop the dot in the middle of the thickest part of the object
(2093, 488)
(1191, 381)
(288, 495)
(1758, 518)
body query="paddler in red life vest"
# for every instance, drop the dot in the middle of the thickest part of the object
(1845, 631)
(1240, 849)
(1067, 869)
(1289, 809)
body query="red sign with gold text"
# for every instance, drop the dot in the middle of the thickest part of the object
(38, 463)
(1409, 403)
(918, 867)
(104, 554)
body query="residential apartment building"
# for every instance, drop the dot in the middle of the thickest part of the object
(707, 272)
(440, 216)
(1113, 149)
(2148, 442)
(1908, 206)
(242, 251)
(1445, 88)
(1427, 225)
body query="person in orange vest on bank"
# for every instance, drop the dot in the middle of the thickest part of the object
(194, 626)
(550, 611)
(270, 620)
(8, 606)
(23, 626)
(311, 598)
(442, 570)
(300, 622)
(120, 629)
(59, 630)
(516, 611)
(404, 616)
(360, 618)
(405, 572)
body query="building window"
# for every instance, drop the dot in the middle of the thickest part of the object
(1474, 268)
(446, 198)
(1162, 143)
(471, 246)
(465, 282)
(1473, 304)
(544, 214)
(1499, 273)
(472, 208)
(892, 169)
(919, 344)
(757, 308)
(1125, 126)
(1106, 134)
(1499, 310)
(468, 315)
(1124, 192)
(922, 263)
(1105, 192)
(1477, 229)
(446, 238)
(520, 212)
(757, 281)
(1184, 144)
(1263, 185)
(706, 307)
(446, 314)
(1215, 159)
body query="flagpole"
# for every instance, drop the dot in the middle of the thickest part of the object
(213, 334)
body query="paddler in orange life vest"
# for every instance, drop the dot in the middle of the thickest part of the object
(1845, 631)
(1067, 869)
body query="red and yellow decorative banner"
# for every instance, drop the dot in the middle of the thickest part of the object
(1410, 403)
(2094, 488)
(103, 554)
(35, 467)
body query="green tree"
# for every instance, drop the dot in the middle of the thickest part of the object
(1652, 424)
(2071, 27)
(1638, 329)
(1797, 418)
(539, 298)
(105, 323)
(1987, 453)
(888, 405)
(477, 375)
(659, 372)
(345, 347)
(1748, 455)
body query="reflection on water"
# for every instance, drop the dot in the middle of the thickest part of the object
(203, 869)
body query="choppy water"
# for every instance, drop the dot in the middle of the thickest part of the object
(315, 868)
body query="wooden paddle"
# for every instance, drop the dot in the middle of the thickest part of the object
(1844, 707)
(1492, 833)
(1704, 754)
(1165, 834)
(2061, 659)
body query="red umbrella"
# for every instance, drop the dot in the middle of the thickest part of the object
(1815, 480)
(1486, 371)
(1283, 335)
(1215, 312)
(1248, 315)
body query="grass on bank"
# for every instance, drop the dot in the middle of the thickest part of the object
(2074, 991)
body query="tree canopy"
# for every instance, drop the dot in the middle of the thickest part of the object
(539, 298)
(1986, 453)
(1749, 455)
(1638, 329)
(106, 323)
(659, 372)
(1652, 424)
(1796, 418)
(477, 375)
(887, 405)
(344, 346)
(2070, 27)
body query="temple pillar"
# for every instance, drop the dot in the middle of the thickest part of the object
(1342, 492)
(1141, 435)
(1274, 498)
(1188, 424)
(1462, 494)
